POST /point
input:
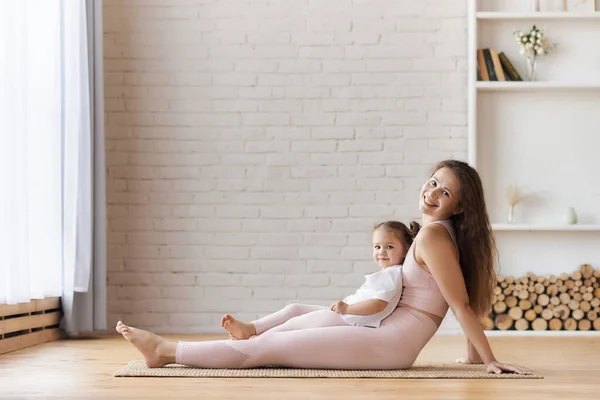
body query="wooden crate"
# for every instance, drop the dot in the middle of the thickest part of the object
(27, 324)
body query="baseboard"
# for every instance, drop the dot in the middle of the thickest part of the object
(28, 324)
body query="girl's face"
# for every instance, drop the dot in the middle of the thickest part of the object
(388, 250)
(440, 195)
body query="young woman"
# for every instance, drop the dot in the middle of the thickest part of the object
(449, 264)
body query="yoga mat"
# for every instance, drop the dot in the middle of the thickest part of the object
(137, 368)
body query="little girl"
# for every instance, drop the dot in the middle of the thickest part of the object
(367, 307)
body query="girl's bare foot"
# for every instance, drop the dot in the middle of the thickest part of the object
(238, 330)
(156, 350)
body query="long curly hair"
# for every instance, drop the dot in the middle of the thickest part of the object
(474, 237)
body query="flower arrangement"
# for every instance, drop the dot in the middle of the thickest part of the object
(532, 45)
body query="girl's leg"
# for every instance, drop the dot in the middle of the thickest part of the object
(316, 319)
(285, 314)
(242, 330)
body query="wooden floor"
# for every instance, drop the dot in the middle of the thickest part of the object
(83, 369)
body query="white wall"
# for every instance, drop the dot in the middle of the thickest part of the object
(251, 145)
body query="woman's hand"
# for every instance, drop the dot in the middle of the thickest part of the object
(339, 307)
(498, 368)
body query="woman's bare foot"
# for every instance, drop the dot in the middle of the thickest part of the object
(156, 350)
(238, 330)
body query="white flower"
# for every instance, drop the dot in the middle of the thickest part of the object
(533, 43)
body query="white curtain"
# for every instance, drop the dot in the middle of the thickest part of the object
(85, 302)
(30, 151)
(48, 70)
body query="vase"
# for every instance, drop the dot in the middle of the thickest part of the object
(531, 64)
(571, 216)
(511, 214)
(535, 5)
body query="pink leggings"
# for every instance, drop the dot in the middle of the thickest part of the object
(298, 316)
(302, 341)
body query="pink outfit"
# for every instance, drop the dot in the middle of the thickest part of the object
(420, 289)
(298, 316)
(302, 336)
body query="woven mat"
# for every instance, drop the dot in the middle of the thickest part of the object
(137, 368)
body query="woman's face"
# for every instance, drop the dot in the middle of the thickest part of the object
(440, 195)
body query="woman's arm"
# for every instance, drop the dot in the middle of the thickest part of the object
(474, 332)
(473, 356)
(436, 250)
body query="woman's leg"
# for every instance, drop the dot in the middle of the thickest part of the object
(343, 347)
(395, 344)
(243, 330)
(156, 350)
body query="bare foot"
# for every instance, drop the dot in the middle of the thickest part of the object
(156, 350)
(238, 330)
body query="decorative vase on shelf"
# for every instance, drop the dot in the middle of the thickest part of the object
(531, 64)
(571, 216)
(535, 5)
(511, 214)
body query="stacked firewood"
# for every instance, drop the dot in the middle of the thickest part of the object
(564, 302)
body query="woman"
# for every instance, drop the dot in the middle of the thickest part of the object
(449, 264)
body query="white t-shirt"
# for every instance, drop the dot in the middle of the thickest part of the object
(384, 285)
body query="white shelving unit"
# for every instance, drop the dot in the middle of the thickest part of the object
(543, 136)
(521, 86)
(546, 228)
(561, 15)
(505, 142)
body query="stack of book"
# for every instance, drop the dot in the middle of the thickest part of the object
(494, 66)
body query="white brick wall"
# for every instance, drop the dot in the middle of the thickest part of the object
(251, 146)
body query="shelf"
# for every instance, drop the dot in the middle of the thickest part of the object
(549, 228)
(540, 15)
(526, 85)
(530, 333)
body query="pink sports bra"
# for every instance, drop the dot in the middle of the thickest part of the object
(419, 288)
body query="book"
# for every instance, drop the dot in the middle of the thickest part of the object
(497, 65)
(489, 64)
(509, 68)
(482, 67)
